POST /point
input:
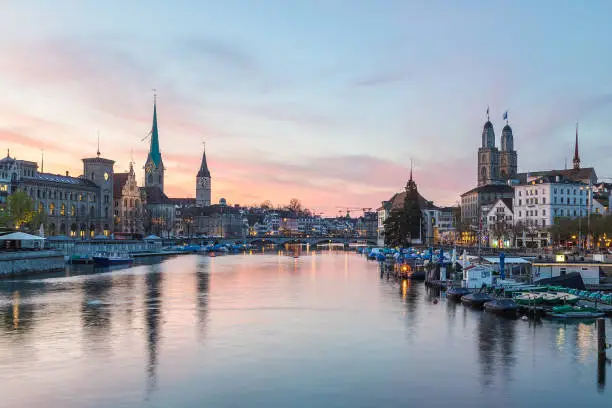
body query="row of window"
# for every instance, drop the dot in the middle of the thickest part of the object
(132, 203)
(531, 213)
(71, 211)
(563, 200)
(130, 213)
(535, 222)
(55, 195)
(574, 191)
(506, 218)
(12, 173)
(557, 212)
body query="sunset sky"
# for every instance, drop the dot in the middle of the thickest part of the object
(323, 100)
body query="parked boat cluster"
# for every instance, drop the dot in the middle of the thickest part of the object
(480, 286)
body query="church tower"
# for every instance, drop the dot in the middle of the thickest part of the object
(154, 166)
(488, 156)
(507, 156)
(203, 187)
(576, 155)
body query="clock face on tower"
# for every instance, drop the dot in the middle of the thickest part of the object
(203, 182)
(105, 176)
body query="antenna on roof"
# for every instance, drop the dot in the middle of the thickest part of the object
(42, 160)
(98, 152)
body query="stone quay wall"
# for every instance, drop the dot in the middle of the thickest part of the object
(26, 263)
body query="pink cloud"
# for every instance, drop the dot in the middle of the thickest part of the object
(321, 183)
(10, 138)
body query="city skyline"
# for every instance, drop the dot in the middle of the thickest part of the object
(323, 101)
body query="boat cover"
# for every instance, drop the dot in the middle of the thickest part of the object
(571, 280)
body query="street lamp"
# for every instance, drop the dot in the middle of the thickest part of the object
(588, 205)
(188, 222)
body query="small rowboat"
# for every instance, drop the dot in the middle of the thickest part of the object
(566, 298)
(529, 298)
(575, 312)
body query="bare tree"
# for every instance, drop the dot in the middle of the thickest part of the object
(295, 205)
(499, 230)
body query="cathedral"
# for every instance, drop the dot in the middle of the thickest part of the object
(495, 166)
(164, 211)
(496, 171)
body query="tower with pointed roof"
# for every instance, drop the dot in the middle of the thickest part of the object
(576, 155)
(154, 166)
(507, 156)
(203, 183)
(488, 156)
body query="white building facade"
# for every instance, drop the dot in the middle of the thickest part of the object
(539, 202)
(499, 221)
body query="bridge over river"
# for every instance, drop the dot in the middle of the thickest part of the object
(281, 240)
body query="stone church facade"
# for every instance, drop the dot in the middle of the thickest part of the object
(495, 166)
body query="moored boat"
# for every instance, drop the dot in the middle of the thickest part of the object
(476, 299)
(79, 259)
(575, 312)
(559, 298)
(505, 307)
(112, 259)
(456, 293)
(529, 298)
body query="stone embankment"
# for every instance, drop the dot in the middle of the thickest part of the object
(24, 262)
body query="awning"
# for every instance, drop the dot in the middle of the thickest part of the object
(152, 238)
(20, 236)
(508, 260)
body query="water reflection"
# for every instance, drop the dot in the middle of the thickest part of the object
(96, 312)
(202, 296)
(410, 295)
(496, 354)
(18, 317)
(152, 305)
(341, 337)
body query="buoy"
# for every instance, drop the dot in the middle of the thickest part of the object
(524, 318)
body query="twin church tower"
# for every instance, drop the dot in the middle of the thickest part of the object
(495, 166)
(154, 168)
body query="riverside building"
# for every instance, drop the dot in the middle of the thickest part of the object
(75, 206)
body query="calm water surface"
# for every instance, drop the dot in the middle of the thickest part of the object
(272, 331)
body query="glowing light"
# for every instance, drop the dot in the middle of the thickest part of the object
(16, 309)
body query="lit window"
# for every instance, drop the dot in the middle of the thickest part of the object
(62, 210)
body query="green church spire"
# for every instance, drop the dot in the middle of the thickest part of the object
(154, 152)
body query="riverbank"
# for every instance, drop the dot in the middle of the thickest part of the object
(23, 263)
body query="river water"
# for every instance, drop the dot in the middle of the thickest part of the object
(268, 330)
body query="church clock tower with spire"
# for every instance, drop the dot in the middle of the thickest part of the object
(154, 166)
(203, 187)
